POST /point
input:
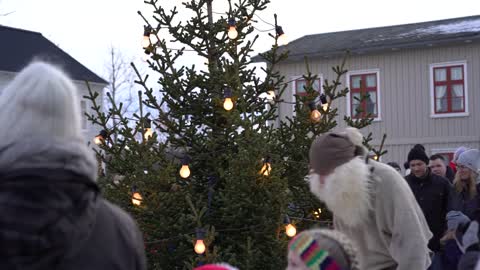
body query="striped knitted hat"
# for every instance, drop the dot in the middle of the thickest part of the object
(322, 249)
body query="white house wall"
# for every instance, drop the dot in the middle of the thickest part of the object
(404, 83)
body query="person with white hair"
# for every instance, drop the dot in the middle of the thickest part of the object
(53, 215)
(371, 203)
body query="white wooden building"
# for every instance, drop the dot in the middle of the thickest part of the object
(423, 80)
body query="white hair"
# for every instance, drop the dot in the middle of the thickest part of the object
(41, 101)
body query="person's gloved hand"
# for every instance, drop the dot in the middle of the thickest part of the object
(455, 219)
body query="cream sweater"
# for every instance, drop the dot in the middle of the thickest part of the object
(395, 235)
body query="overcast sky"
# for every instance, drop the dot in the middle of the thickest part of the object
(86, 29)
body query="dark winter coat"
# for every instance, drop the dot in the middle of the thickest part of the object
(433, 195)
(53, 216)
(468, 206)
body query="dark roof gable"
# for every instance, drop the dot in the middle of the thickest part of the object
(415, 35)
(19, 47)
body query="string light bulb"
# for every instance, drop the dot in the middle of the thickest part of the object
(101, 137)
(146, 37)
(323, 100)
(267, 167)
(185, 170)
(153, 38)
(281, 37)
(290, 230)
(228, 103)
(199, 244)
(271, 95)
(232, 29)
(148, 129)
(317, 213)
(315, 115)
(136, 197)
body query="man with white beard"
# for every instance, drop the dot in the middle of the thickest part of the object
(371, 203)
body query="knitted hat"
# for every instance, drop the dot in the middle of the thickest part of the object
(455, 219)
(457, 153)
(471, 159)
(333, 149)
(323, 249)
(417, 153)
(219, 266)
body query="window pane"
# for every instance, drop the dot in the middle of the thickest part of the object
(457, 104)
(456, 73)
(440, 74)
(371, 101)
(441, 105)
(356, 97)
(299, 86)
(371, 80)
(356, 110)
(457, 90)
(316, 85)
(441, 91)
(356, 81)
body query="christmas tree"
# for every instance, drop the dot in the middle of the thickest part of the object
(203, 166)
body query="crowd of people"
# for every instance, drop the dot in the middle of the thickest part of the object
(383, 220)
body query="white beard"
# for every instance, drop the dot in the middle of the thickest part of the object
(346, 191)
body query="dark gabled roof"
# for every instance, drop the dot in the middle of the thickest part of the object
(19, 47)
(370, 40)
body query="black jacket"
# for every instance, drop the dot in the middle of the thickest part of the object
(433, 195)
(53, 216)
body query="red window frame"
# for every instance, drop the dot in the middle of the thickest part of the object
(363, 89)
(302, 94)
(449, 88)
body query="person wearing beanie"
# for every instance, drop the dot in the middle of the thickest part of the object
(216, 266)
(371, 203)
(433, 194)
(53, 215)
(466, 194)
(456, 154)
(321, 249)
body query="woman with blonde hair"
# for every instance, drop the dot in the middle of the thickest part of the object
(53, 215)
(466, 195)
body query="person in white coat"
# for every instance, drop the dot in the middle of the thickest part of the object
(371, 203)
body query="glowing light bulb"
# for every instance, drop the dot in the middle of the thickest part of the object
(98, 140)
(266, 169)
(325, 107)
(199, 246)
(232, 32)
(148, 133)
(185, 171)
(375, 158)
(271, 95)
(137, 199)
(153, 38)
(145, 42)
(290, 230)
(282, 40)
(315, 115)
(228, 104)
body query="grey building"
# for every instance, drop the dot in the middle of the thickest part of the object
(423, 80)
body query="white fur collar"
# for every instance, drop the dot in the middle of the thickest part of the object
(346, 191)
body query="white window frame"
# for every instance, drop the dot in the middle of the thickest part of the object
(379, 96)
(83, 110)
(294, 79)
(432, 89)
